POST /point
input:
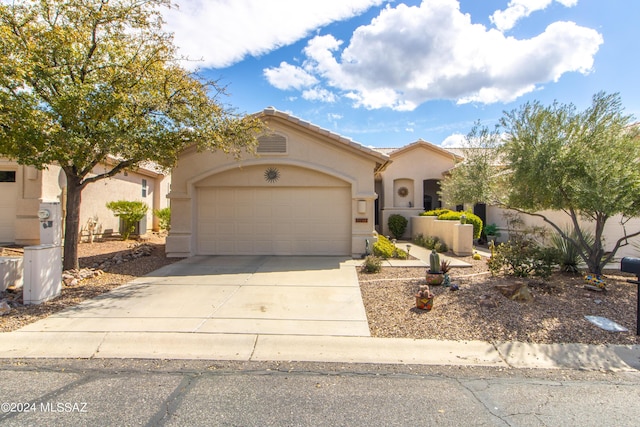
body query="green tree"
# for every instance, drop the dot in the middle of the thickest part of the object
(86, 81)
(131, 213)
(473, 179)
(583, 163)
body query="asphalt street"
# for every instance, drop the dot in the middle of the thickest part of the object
(76, 392)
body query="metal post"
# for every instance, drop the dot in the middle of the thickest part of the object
(637, 282)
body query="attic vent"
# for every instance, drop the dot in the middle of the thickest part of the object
(272, 144)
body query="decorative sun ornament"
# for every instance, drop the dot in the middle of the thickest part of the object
(403, 192)
(272, 175)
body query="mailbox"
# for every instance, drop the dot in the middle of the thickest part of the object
(630, 265)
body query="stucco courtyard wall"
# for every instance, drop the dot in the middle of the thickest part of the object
(613, 231)
(458, 237)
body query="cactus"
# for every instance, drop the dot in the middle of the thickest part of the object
(434, 262)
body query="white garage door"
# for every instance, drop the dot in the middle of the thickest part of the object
(274, 221)
(7, 211)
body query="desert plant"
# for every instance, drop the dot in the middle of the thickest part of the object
(434, 262)
(372, 264)
(431, 242)
(491, 230)
(397, 225)
(383, 248)
(522, 258)
(164, 218)
(426, 242)
(568, 253)
(130, 212)
(424, 292)
(441, 246)
(445, 266)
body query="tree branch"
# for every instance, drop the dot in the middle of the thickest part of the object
(116, 169)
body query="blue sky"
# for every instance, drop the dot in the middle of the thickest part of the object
(387, 73)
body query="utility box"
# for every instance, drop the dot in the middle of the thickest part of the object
(50, 216)
(42, 273)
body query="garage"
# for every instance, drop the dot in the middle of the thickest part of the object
(303, 191)
(274, 221)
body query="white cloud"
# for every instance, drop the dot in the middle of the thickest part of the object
(517, 9)
(223, 32)
(409, 55)
(288, 76)
(456, 140)
(318, 94)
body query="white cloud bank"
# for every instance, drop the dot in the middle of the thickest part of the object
(223, 32)
(517, 9)
(409, 55)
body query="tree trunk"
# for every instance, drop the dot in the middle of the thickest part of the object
(72, 222)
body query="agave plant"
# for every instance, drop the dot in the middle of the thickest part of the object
(568, 253)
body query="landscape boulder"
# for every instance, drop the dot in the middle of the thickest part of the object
(516, 291)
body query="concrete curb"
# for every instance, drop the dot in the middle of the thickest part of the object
(252, 347)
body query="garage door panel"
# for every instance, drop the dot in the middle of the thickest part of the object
(277, 221)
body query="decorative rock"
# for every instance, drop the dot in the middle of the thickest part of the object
(487, 302)
(73, 277)
(518, 291)
(5, 308)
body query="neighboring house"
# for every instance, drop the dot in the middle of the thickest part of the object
(410, 184)
(309, 191)
(23, 189)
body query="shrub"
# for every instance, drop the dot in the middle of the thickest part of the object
(441, 247)
(164, 217)
(471, 219)
(383, 248)
(435, 212)
(372, 264)
(130, 212)
(569, 254)
(426, 242)
(397, 225)
(492, 230)
(522, 258)
(419, 239)
(431, 242)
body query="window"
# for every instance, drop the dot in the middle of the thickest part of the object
(144, 188)
(7, 176)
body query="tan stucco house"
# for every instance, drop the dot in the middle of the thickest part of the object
(410, 183)
(23, 189)
(307, 191)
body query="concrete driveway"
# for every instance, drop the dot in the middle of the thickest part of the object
(229, 295)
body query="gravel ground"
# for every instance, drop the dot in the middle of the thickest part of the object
(478, 311)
